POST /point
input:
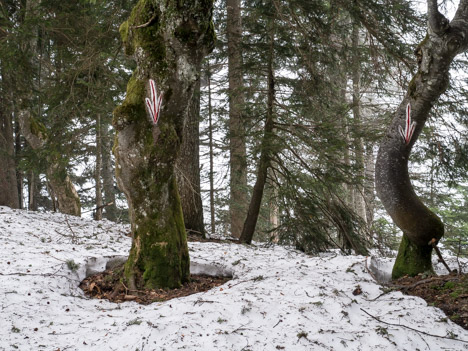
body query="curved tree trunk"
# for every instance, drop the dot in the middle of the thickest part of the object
(419, 225)
(188, 166)
(63, 191)
(168, 40)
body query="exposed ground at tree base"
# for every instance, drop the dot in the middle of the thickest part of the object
(447, 292)
(108, 285)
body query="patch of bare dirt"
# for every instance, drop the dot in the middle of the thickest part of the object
(448, 292)
(108, 285)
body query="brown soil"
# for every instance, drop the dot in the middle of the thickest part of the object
(107, 285)
(448, 292)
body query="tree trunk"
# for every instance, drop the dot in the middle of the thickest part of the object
(63, 192)
(265, 157)
(168, 39)
(33, 191)
(211, 151)
(188, 166)
(107, 172)
(8, 181)
(237, 149)
(358, 197)
(97, 171)
(419, 225)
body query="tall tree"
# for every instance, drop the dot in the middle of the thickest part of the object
(168, 39)
(266, 147)
(8, 185)
(188, 166)
(237, 144)
(420, 226)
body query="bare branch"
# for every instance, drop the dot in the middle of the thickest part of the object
(437, 22)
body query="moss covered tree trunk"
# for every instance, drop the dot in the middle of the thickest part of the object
(443, 42)
(168, 40)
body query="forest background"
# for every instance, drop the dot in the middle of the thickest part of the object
(307, 87)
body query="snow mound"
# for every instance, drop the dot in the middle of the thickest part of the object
(278, 298)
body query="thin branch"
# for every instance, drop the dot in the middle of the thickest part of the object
(413, 329)
(147, 23)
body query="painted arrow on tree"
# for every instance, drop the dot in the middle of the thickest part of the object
(154, 104)
(409, 126)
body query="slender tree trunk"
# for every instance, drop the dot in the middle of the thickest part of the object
(237, 148)
(33, 191)
(419, 225)
(107, 172)
(19, 172)
(265, 157)
(359, 203)
(8, 181)
(97, 171)
(188, 166)
(369, 181)
(274, 209)
(168, 41)
(211, 151)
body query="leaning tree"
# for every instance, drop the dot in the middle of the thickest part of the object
(421, 227)
(168, 40)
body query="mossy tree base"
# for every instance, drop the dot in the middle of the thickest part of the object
(412, 259)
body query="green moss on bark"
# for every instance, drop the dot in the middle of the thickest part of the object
(159, 255)
(412, 259)
(146, 154)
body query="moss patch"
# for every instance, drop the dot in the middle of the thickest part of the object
(412, 259)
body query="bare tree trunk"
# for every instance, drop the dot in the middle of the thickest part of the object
(359, 203)
(265, 156)
(188, 166)
(97, 170)
(436, 52)
(237, 148)
(211, 151)
(110, 211)
(33, 191)
(8, 181)
(168, 41)
(369, 181)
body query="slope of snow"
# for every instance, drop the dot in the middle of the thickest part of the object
(279, 299)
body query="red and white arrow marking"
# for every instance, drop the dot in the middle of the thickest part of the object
(409, 126)
(154, 104)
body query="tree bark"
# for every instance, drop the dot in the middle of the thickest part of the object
(97, 171)
(419, 225)
(211, 151)
(110, 211)
(237, 149)
(168, 41)
(8, 182)
(188, 166)
(358, 197)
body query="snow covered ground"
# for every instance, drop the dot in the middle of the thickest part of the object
(279, 299)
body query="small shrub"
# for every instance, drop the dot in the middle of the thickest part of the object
(72, 265)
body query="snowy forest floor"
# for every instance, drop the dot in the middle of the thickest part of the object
(278, 298)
